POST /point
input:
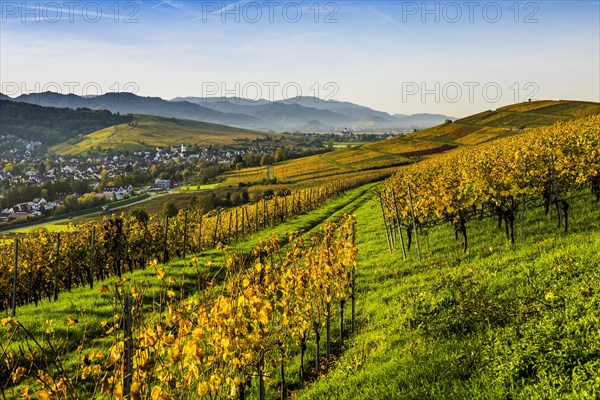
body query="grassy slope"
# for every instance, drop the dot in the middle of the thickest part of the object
(471, 130)
(489, 125)
(152, 131)
(501, 321)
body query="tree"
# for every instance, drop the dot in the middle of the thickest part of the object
(235, 161)
(141, 215)
(267, 159)
(251, 159)
(103, 179)
(170, 209)
(71, 203)
(279, 154)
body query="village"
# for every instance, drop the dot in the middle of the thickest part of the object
(108, 178)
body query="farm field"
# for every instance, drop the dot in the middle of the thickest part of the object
(149, 132)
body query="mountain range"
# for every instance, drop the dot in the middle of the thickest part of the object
(304, 114)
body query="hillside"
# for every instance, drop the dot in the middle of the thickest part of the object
(485, 126)
(471, 130)
(51, 125)
(148, 132)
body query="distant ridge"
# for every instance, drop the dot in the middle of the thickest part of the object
(297, 114)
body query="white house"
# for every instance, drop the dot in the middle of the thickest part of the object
(120, 192)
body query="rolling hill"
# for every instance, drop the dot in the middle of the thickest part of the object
(485, 126)
(148, 132)
(388, 154)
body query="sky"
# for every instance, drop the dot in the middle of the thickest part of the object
(449, 57)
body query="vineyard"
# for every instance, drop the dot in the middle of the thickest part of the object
(213, 344)
(502, 178)
(47, 264)
(500, 316)
(427, 143)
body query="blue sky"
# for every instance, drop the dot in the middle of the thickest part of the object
(455, 58)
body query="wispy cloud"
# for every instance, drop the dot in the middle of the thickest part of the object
(171, 3)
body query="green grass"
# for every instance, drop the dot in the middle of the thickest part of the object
(499, 322)
(343, 145)
(195, 188)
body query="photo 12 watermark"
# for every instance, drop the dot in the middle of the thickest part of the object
(55, 92)
(269, 11)
(453, 12)
(470, 92)
(53, 12)
(271, 91)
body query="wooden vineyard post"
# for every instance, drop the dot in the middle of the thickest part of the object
(69, 272)
(328, 332)
(244, 213)
(283, 394)
(56, 266)
(185, 218)
(255, 217)
(165, 250)
(385, 225)
(200, 233)
(398, 219)
(412, 214)
(128, 348)
(15, 267)
(216, 228)
(523, 200)
(554, 185)
(229, 227)
(261, 378)
(353, 278)
(92, 257)
(265, 213)
(246, 223)
(342, 303)
(236, 224)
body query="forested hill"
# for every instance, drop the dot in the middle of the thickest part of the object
(51, 125)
